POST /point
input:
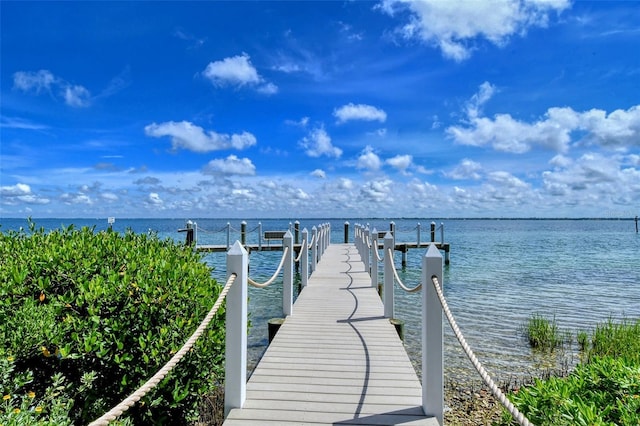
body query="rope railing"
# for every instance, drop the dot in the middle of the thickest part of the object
(128, 402)
(399, 281)
(497, 393)
(275, 275)
(304, 244)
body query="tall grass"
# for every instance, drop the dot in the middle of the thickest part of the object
(543, 333)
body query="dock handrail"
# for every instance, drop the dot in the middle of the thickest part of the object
(128, 402)
(235, 322)
(434, 305)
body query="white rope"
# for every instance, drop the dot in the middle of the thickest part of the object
(367, 241)
(380, 259)
(272, 279)
(304, 243)
(400, 283)
(517, 415)
(127, 403)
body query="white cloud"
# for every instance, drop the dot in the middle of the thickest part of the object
(619, 129)
(154, 199)
(378, 191)
(44, 81)
(467, 169)
(231, 165)
(318, 143)
(77, 96)
(238, 71)
(454, 26)
(485, 92)
(20, 193)
(359, 112)
(344, 183)
(37, 81)
(13, 190)
(400, 162)
(300, 123)
(319, 173)
(369, 160)
(194, 138)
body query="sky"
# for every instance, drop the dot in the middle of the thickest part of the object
(331, 109)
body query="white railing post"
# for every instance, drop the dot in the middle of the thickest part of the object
(366, 250)
(235, 382)
(374, 260)
(432, 346)
(304, 258)
(387, 289)
(287, 275)
(314, 249)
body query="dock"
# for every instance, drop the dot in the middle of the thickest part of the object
(336, 359)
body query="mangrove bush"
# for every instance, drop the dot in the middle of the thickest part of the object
(87, 317)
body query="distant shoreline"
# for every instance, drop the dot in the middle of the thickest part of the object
(324, 218)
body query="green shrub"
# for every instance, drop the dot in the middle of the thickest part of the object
(542, 333)
(605, 390)
(97, 314)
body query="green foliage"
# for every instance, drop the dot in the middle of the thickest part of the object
(95, 315)
(620, 340)
(605, 390)
(542, 333)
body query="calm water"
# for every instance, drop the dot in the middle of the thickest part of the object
(581, 272)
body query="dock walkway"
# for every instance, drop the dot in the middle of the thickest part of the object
(336, 359)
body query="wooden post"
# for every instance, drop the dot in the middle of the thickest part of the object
(189, 233)
(259, 235)
(441, 232)
(287, 275)
(296, 232)
(432, 346)
(404, 249)
(636, 224)
(418, 229)
(304, 258)
(387, 289)
(433, 232)
(346, 232)
(228, 235)
(374, 259)
(243, 233)
(235, 382)
(392, 228)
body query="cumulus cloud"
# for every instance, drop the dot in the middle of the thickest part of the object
(400, 162)
(44, 81)
(319, 173)
(318, 143)
(231, 165)
(378, 191)
(369, 160)
(153, 199)
(20, 193)
(618, 129)
(187, 135)
(454, 26)
(359, 112)
(238, 71)
(467, 169)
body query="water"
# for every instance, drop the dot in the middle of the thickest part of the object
(582, 272)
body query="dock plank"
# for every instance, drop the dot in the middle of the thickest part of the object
(336, 360)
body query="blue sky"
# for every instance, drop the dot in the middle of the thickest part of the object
(320, 109)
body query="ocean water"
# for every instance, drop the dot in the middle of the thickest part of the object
(580, 272)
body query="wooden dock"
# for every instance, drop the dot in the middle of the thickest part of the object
(336, 360)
